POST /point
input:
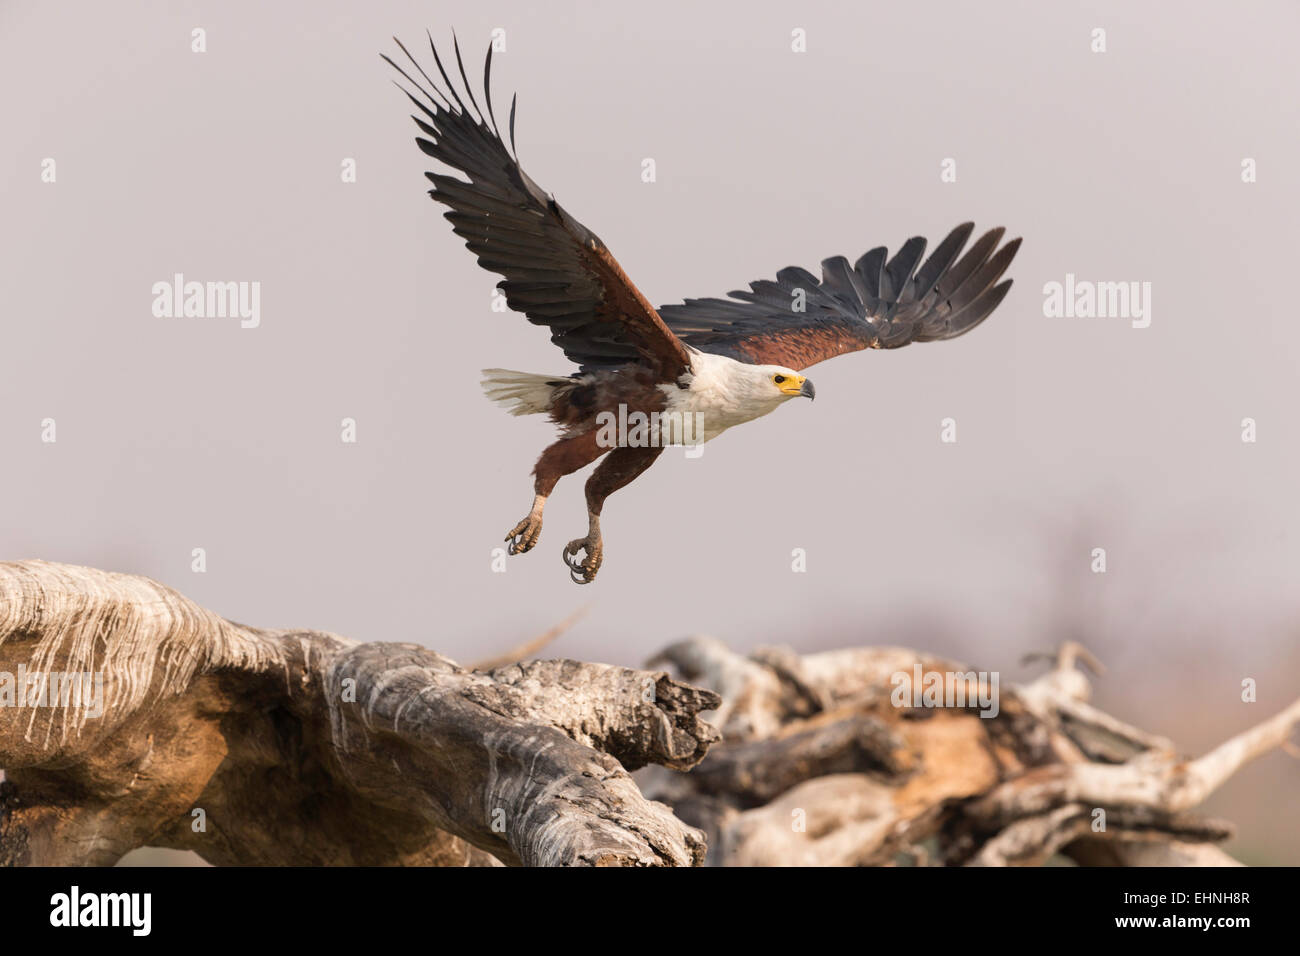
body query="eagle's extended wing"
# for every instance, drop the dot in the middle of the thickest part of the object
(877, 303)
(556, 271)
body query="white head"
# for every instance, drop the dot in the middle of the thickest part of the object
(728, 393)
(768, 386)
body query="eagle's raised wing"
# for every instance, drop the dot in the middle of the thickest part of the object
(556, 271)
(877, 303)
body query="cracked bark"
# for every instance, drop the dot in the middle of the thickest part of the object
(819, 766)
(300, 747)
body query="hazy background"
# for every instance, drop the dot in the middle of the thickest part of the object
(175, 434)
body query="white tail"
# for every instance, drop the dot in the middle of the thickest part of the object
(522, 393)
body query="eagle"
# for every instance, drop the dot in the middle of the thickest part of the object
(679, 374)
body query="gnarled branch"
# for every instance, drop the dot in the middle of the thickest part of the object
(824, 764)
(259, 746)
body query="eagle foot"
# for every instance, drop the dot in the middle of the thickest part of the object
(584, 571)
(524, 535)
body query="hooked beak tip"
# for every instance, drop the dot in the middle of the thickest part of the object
(807, 391)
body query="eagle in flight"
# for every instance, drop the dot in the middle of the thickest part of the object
(692, 370)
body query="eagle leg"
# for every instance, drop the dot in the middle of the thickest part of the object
(618, 469)
(562, 458)
(524, 535)
(584, 571)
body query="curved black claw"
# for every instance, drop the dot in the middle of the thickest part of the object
(584, 571)
(524, 535)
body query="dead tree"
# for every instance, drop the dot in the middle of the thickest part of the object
(822, 764)
(298, 747)
(255, 746)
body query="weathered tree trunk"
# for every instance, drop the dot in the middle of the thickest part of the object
(822, 763)
(300, 747)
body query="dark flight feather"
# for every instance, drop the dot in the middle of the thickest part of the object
(554, 269)
(880, 303)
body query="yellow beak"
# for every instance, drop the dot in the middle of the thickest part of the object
(793, 385)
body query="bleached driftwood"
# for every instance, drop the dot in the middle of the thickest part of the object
(819, 765)
(264, 747)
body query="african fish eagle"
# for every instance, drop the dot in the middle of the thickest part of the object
(702, 366)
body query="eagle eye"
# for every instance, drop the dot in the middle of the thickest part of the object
(778, 379)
